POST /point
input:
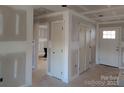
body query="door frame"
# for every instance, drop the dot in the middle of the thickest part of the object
(50, 43)
(36, 47)
(119, 43)
(84, 25)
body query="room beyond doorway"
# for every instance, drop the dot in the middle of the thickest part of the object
(41, 57)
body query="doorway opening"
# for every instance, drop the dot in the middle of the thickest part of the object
(110, 46)
(86, 47)
(41, 52)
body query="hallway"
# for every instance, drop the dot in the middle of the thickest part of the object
(97, 75)
(40, 72)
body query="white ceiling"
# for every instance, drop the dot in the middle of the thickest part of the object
(99, 13)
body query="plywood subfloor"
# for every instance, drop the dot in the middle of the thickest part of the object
(97, 75)
(41, 71)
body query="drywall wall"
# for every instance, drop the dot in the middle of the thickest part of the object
(48, 19)
(16, 46)
(13, 69)
(75, 20)
(121, 64)
(71, 22)
(0, 71)
(9, 32)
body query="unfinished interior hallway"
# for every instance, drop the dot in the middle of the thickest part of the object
(40, 72)
(91, 78)
(85, 45)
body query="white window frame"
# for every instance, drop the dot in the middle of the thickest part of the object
(109, 35)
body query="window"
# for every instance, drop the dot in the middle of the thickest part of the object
(109, 34)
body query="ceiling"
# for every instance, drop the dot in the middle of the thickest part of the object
(99, 13)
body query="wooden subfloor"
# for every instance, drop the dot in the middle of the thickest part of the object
(97, 75)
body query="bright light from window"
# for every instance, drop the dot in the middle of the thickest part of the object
(109, 34)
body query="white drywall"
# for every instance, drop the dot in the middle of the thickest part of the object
(29, 19)
(71, 20)
(73, 56)
(0, 69)
(1, 24)
(16, 46)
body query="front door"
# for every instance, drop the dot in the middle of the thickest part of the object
(109, 46)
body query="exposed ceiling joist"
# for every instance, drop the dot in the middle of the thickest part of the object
(103, 10)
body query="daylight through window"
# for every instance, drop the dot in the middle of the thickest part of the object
(109, 34)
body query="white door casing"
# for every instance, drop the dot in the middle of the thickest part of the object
(109, 47)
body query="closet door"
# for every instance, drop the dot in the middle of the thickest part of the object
(88, 47)
(82, 49)
(57, 49)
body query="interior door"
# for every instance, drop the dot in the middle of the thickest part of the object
(57, 49)
(109, 46)
(82, 49)
(88, 47)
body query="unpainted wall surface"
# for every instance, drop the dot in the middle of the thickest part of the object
(74, 43)
(13, 69)
(8, 15)
(15, 46)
